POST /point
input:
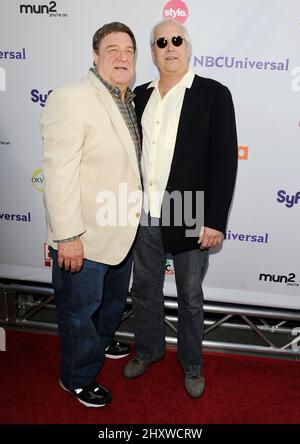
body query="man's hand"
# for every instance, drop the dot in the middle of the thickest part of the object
(70, 255)
(209, 238)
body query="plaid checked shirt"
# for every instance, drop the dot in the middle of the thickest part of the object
(127, 110)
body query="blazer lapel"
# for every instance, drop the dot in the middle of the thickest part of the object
(190, 105)
(117, 120)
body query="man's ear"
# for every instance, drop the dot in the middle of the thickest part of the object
(95, 57)
(153, 54)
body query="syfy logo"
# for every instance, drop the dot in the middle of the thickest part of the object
(288, 199)
(37, 97)
(2, 79)
(177, 10)
(288, 280)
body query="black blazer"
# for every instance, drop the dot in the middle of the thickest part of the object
(205, 156)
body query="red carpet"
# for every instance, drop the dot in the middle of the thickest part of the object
(238, 389)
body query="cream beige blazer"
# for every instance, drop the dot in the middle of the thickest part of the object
(88, 151)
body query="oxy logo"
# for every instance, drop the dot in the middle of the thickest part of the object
(38, 180)
(289, 279)
(49, 9)
(243, 152)
(296, 81)
(177, 10)
(2, 340)
(288, 199)
(2, 79)
(37, 97)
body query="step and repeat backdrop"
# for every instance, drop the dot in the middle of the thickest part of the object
(252, 47)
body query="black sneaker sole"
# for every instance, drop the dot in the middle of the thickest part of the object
(82, 402)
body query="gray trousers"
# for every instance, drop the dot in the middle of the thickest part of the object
(190, 267)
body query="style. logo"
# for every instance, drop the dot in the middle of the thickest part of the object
(177, 10)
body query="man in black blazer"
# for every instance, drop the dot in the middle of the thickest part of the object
(189, 151)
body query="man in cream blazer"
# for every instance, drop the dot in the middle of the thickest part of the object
(93, 204)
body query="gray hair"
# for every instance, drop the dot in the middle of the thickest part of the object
(184, 32)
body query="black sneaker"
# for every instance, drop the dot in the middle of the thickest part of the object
(91, 395)
(117, 350)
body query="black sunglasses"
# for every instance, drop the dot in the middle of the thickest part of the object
(176, 41)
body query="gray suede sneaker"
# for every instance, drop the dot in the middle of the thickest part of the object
(194, 384)
(135, 367)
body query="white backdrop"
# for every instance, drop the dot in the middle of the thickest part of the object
(252, 47)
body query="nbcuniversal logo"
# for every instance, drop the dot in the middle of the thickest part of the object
(177, 10)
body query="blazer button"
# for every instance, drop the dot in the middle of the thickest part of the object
(138, 214)
(139, 187)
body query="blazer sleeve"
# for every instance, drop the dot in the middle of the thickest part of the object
(223, 160)
(63, 139)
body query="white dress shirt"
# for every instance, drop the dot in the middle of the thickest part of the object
(160, 124)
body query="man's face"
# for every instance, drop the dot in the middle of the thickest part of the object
(171, 60)
(115, 60)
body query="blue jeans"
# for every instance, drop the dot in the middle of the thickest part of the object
(89, 307)
(148, 300)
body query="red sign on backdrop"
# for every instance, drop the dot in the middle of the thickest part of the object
(177, 10)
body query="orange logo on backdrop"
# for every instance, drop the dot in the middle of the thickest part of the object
(243, 152)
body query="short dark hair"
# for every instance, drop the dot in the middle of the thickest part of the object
(109, 28)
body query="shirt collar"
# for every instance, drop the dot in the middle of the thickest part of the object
(114, 90)
(186, 80)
